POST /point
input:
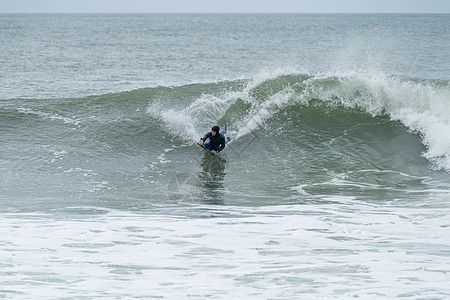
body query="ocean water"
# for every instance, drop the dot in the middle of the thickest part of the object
(336, 183)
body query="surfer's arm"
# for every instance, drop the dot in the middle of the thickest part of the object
(207, 136)
(203, 139)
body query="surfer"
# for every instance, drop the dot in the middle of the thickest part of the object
(216, 140)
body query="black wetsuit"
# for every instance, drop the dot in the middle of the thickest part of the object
(216, 142)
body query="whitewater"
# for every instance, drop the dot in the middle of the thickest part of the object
(336, 183)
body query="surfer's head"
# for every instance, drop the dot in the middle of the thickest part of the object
(215, 130)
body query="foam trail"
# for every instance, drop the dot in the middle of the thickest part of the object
(191, 122)
(260, 113)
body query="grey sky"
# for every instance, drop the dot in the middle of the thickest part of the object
(226, 6)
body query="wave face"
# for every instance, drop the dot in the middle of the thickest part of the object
(294, 136)
(313, 109)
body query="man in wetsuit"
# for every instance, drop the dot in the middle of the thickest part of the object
(216, 140)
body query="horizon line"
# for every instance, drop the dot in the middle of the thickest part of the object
(235, 13)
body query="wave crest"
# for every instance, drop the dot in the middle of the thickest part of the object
(421, 105)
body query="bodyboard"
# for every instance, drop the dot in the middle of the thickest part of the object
(207, 149)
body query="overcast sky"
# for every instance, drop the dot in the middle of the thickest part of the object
(225, 6)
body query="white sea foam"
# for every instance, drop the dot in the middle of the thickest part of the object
(50, 116)
(341, 250)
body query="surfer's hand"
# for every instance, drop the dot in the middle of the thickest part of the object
(214, 151)
(200, 143)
